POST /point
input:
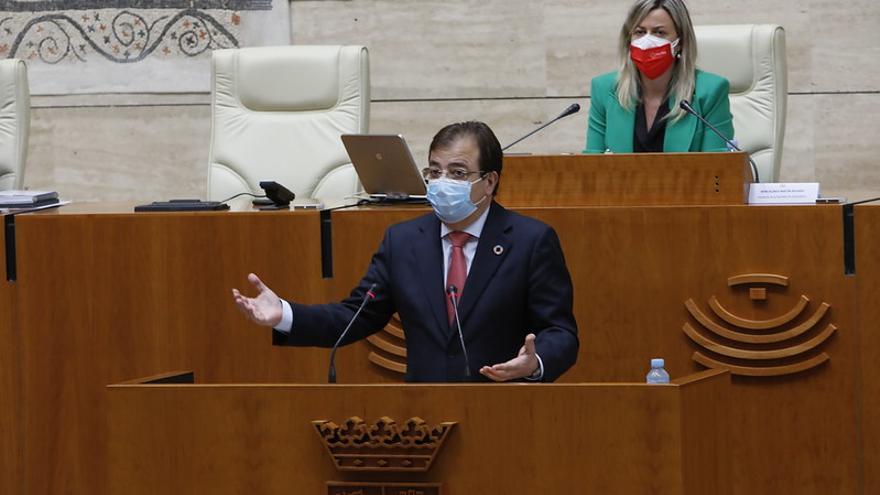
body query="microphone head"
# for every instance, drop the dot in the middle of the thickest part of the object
(686, 106)
(572, 109)
(451, 290)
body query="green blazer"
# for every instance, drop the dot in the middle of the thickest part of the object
(610, 127)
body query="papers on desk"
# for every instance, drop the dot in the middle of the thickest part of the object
(27, 199)
(28, 209)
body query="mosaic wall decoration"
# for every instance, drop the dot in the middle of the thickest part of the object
(71, 42)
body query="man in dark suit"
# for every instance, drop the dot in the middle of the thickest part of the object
(506, 272)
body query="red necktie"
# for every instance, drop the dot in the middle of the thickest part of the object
(457, 270)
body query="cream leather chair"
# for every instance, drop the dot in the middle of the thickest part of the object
(15, 122)
(277, 114)
(752, 58)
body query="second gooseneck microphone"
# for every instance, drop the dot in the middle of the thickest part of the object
(572, 109)
(686, 106)
(452, 292)
(331, 371)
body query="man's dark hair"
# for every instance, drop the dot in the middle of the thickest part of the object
(491, 156)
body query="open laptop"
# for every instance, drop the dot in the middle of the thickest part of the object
(385, 166)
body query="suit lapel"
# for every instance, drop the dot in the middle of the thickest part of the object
(492, 248)
(619, 119)
(427, 253)
(680, 135)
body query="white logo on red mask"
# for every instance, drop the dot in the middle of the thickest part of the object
(652, 55)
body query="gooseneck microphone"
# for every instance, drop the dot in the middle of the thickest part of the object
(686, 106)
(331, 371)
(452, 291)
(572, 109)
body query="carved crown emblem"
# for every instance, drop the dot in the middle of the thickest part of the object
(383, 445)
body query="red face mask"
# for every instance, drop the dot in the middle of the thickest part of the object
(653, 56)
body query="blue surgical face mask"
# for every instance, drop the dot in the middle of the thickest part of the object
(451, 199)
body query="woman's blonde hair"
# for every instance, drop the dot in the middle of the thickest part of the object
(681, 86)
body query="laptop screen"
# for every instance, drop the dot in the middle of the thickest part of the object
(384, 165)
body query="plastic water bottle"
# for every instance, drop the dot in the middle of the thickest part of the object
(657, 373)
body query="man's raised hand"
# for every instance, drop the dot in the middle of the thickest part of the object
(264, 309)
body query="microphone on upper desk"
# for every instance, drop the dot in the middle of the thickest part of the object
(686, 106)
(572, 109)
(331, 371)
(452, 291)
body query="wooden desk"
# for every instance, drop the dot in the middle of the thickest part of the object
(631, 179)
(867, 395)
(11, 441)
(103, 297)
(513, 439)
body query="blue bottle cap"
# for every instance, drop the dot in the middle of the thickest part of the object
(657, 363)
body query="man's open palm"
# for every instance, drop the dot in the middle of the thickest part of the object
(523, 365)
(264, 309)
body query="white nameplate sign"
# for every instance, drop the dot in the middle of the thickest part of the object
(779, 193)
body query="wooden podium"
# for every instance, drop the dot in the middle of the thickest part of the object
(517, 438)
(628, 179)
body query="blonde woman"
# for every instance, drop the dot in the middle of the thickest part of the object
(636, 109)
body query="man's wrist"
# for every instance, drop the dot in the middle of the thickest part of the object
(286, 323)
(538, 374)
(280, 313)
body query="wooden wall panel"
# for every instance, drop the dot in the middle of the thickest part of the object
(109, 297)
(11, 446)
(867, 224)
(637, 267)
